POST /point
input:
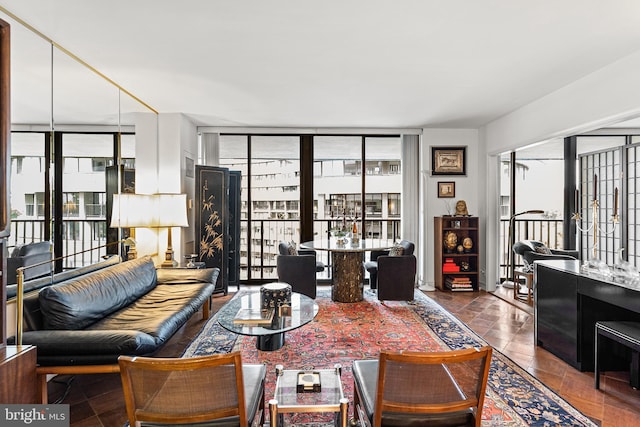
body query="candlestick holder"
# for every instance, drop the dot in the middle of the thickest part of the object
(594, 227)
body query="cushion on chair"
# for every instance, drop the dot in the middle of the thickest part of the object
(396, 250)
(293, 250)
(253, 378)
(543, 250)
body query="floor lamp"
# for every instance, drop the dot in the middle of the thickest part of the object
(512, 259)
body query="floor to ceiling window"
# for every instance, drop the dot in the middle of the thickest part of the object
(539, 185)
(83, 191)
(344, 168)
(383, 182)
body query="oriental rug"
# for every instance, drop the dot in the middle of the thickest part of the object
(343, 332)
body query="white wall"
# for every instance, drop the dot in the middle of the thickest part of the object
(469, 188)
(607, 96)
(162, 143)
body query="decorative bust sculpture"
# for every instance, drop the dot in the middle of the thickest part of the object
(467, 244)
(461, 208)
(450, 241)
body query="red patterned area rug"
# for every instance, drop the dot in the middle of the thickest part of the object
(341, 333)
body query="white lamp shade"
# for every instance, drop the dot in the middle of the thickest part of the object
(171, 210)
(132, 210)
(149, 210)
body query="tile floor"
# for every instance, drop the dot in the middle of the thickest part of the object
(96, 400)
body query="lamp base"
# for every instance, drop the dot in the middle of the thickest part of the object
(169, 262)
(132, 253)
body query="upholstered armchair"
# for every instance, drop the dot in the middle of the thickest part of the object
(372, 265)
(29, 255)
(533, 250)
(396, 277)
(298, 268)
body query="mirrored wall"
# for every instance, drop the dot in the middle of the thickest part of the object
(71, 125)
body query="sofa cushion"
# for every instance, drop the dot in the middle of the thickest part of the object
(159, 313)
(88, 347)
(80, 302)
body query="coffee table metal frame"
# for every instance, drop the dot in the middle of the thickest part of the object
(330, 398)
(271, 337)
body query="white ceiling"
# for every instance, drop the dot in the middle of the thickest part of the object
(295, 63)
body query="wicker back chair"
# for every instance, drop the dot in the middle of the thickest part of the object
(439, 388)
(192, 390)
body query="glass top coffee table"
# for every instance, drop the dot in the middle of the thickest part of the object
(268, 337)
(289, 399)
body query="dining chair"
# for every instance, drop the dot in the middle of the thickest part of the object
(415, 388)
(215, 390)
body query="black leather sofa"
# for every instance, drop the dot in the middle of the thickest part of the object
(83, 324)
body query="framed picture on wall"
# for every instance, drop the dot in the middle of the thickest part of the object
(446, 189)
(448, 161)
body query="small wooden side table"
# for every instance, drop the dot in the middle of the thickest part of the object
(528, 280)
(18, 373)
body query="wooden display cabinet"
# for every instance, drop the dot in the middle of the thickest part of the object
(456, 261)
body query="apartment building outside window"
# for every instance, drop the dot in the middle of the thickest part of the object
(271, 185)
(83, 195)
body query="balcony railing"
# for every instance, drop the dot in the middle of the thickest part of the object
(547, 231)
(85, 235)
(266, 234)
(82, 237)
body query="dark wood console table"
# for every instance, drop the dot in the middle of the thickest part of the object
(567, 306)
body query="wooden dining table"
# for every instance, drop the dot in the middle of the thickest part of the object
(347, 270)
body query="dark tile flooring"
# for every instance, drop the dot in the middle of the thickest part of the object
(96, 400)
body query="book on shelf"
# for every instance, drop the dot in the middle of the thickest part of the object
(470, 289)
(254, 317)
(459, 283)
(459, 279)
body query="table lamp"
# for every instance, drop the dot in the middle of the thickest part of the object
(130, 211)
(170, 210)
